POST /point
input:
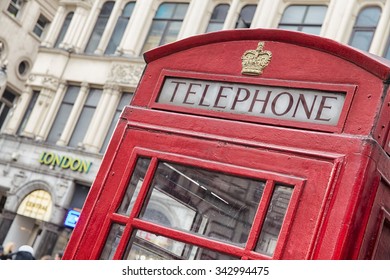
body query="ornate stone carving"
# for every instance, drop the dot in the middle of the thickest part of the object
(125, 74)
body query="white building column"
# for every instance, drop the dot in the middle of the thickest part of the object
(55, 27)
(102, 118)
(20, 109)
(51, 114)
(75, 27)
(86, 28)
(267, 14)
(74, 115)
(339, 20)
(232, 15)
(192, 24)
(137, 27)
(39, 113)
(379, 42)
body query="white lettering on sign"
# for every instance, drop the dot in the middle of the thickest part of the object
(298, 104)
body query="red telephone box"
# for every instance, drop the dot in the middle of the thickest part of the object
(246, 144)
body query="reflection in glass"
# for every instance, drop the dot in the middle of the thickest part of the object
(208, 203)
(365, 27)
(134, 186)
(305, 18)
(246, 16)
(112, 242)
(148, 246)
(218, 17)
(274, 220)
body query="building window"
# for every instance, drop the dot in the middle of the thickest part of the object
(6, 103)
(27, 114)
(40, 26)
(15, 6)
(120, 28)
(125, 100)
(64, 29)
(364, 29)
(63, 114)
(303, 18)
(218, 18)
(246, 16)
(85, 117)
(166, 25)
(99, 27)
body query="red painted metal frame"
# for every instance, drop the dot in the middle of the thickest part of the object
(132, 222)
(348, 90)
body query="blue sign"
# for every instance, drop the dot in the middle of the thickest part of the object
(71, 218)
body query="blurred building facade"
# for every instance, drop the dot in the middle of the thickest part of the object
(72, 65)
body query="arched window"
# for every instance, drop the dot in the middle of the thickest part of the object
(166, 25)
(64, 29)
(364, 29)
(246, 16)
(218, 18)
(120, 28)
(99, 27)
(305, 18)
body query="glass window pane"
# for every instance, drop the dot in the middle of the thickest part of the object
(171, 33)
(64, 29)
(246, 16)
(120, 28)
(112, 242)
(218, 17)
(134, 186)
(387, 52)
(315, 15)
(214, 27)
(208, 203)
(165, 11)
(294, 14)
(63, 114)
(220, 12)
(383, 248)
(166, 14)
(148, 246)
(128, 10)
(59, 123)
(99, 27)
(71, 94)
(362, 40)
(155, 34)
(81, 127)
(274, 220)
(311, 30)
(107, 8)
(369, 17)
(288, 27)
(180, 11)
(85, 117)
(3, 114)
(28, 112)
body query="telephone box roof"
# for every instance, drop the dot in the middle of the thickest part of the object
(376, 65)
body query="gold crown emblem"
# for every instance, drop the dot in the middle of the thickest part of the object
(254, 61)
